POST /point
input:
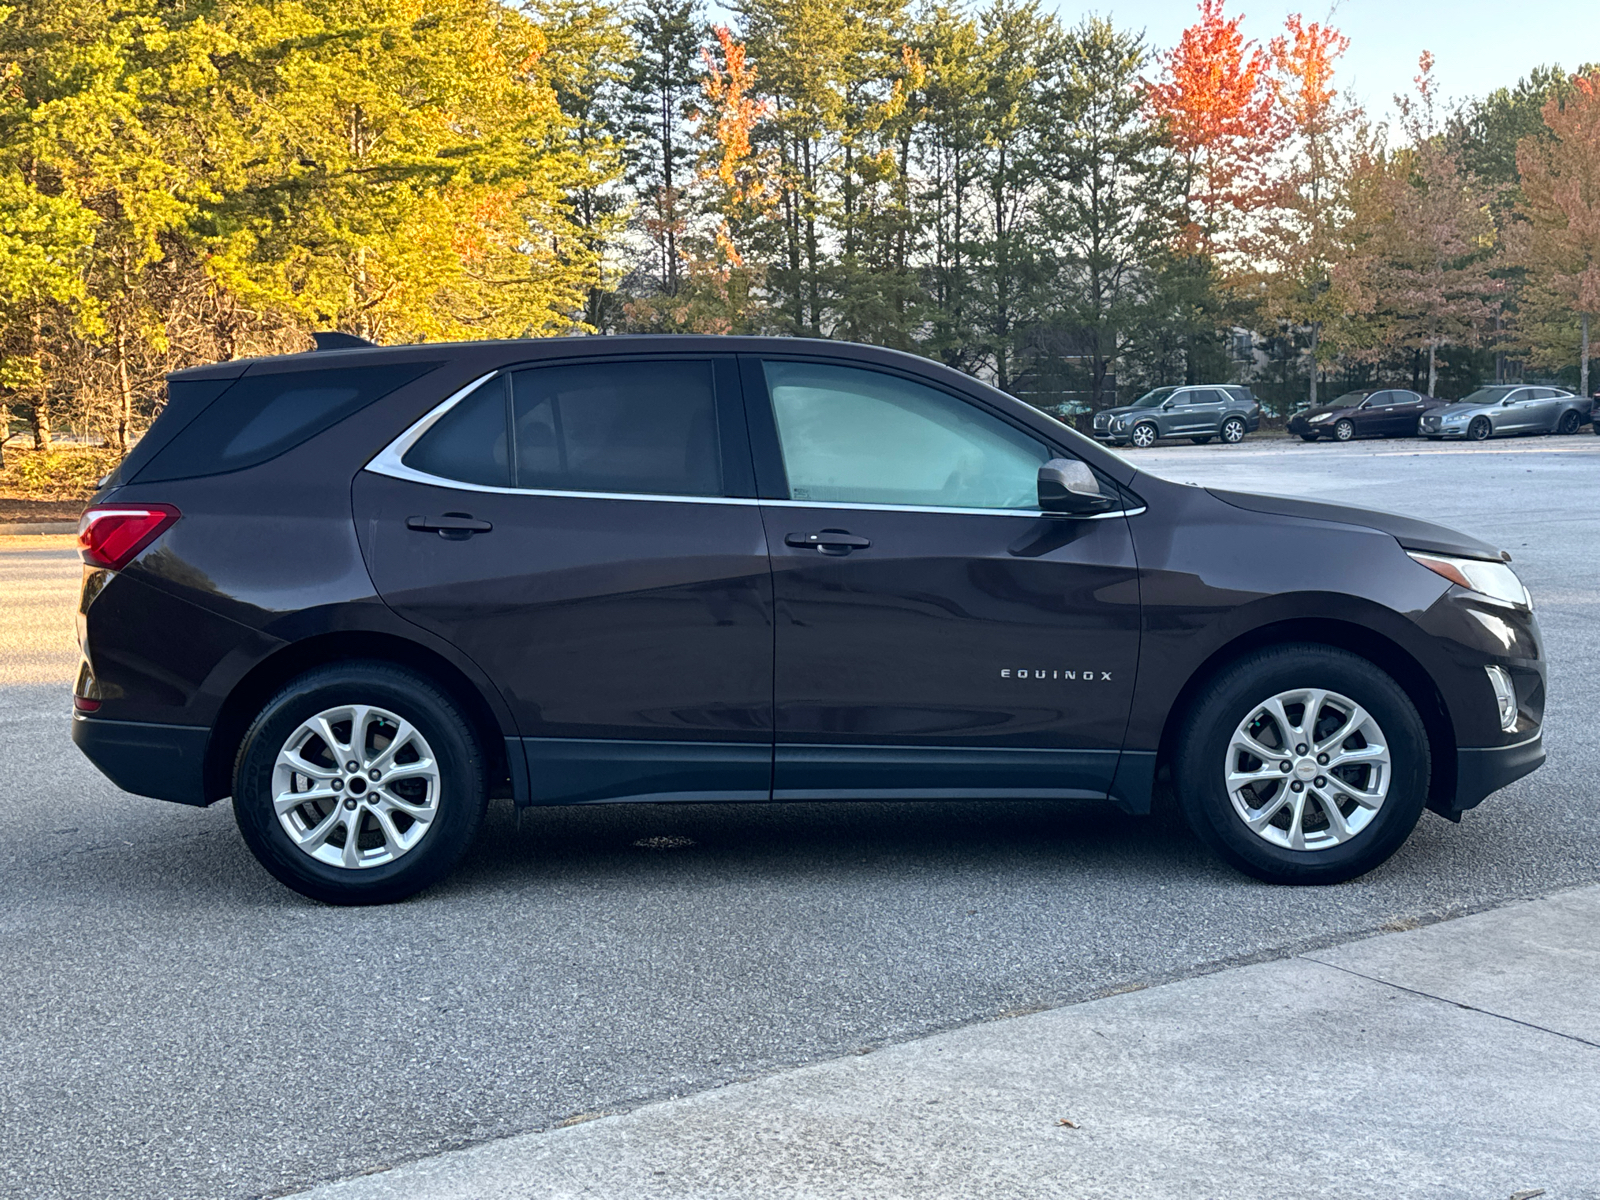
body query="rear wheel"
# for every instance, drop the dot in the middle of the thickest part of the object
(359, 783)
(1568, 425)
(1480, 429)
(1303, 764)
(1144, 435)
(1344, 430)
(1233, 431)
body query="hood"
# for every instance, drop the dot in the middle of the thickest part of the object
(1408, 531)
(1123, 411)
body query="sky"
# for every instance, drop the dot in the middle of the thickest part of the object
(1478, 45)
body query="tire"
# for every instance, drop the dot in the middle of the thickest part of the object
(1233, 431)
(1344, 430)
(1568, 424)
(1201, 441)
(1144, 435)
(1234, 704)
(1308, 437)
(1479, 430)
(387, 862)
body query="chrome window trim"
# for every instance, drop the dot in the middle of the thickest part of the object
(388, 461)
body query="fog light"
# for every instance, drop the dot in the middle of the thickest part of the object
(1505, 695)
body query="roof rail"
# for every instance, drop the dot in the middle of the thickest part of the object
(328, 340)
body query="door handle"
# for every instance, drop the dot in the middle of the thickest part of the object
(829, 541)
(455, 526)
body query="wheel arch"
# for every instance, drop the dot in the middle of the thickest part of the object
(267, 677)
(1382, 652)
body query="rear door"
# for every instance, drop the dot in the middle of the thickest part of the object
(587, 533)
(1408, 408)
(936, 635)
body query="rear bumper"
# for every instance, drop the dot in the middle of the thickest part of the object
(1481, 771)
(163, 761)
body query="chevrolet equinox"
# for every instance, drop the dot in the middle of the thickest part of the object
(360, 590)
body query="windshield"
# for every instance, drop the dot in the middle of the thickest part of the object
(1151, 399)
(1348, 400)
(1488, 395)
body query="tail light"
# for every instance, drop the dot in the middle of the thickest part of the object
(111, 535)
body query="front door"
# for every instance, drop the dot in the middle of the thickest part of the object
(935, 634)
(587, 534)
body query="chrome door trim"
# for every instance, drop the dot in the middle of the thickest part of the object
(388, 461)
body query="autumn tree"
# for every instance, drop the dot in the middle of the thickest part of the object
(1215, 103)
(1299, 232)
(1557, 239)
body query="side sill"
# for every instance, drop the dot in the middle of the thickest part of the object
(604, 770)
(812, 772)
(165, 762)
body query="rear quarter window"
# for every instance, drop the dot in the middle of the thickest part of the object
(263, 416)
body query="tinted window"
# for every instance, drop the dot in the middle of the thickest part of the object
(470, 443)
(856, 436)
(262, 416)
(647, 427)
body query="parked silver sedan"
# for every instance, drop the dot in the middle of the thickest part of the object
(1506, 409)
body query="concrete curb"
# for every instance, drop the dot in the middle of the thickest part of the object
(38, 527)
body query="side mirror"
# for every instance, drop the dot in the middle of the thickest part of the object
(1068, 486)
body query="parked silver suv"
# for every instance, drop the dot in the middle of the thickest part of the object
(1199, 413)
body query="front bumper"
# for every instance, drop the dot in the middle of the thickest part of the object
(1480, 771)
(166, 762)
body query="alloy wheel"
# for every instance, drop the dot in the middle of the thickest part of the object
(1144, 436)
(1307, 769)
(1233, 431)
(1344, 430)
(1568, 425)
(355, 786)
(1479, 429)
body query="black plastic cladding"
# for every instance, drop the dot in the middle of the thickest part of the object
(268, 571)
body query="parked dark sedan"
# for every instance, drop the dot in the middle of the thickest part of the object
(364, 589)
(1388, 413)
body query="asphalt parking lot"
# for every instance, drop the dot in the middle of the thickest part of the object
(180, 1026)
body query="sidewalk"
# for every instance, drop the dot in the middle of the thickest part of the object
(1457, 1060)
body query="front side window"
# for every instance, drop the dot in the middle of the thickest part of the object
(855, 436)
(645, 428)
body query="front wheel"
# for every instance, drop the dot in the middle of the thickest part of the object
(1201, 441)
(1479, 430)
(1144, 436)
(1308, 437)
(1303, 763)
(1568, 425)
(1233, 431)
(359, 783)
(1344, 430)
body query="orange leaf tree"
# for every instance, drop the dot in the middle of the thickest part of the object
(1216, 104)
(1559, 244)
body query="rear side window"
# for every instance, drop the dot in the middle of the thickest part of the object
(617, 427)
(263, 416)
(640, 428)
(471, 443)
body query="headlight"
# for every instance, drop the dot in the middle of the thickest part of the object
(1321, 417)
(1491, 580)
(1121, 422)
